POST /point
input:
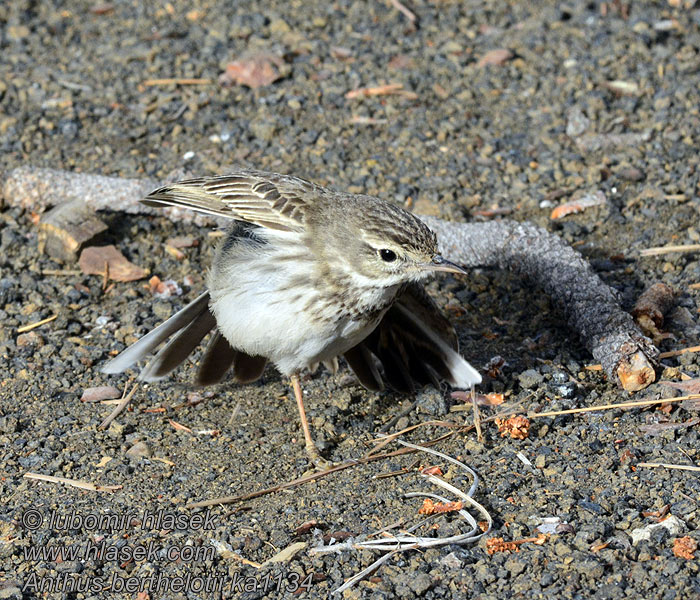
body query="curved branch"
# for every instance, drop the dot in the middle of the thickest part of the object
(591, 307)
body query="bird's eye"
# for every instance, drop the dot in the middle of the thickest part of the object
(387, 255)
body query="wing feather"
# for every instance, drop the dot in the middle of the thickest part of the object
(265, 199)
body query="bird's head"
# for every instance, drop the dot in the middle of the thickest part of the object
(384, 245)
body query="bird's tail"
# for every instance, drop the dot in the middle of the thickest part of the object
(186, 329)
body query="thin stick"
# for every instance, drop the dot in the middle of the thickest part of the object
(31, 326)
(60, 272)
(380, 90)
(83, 485)
(672, 353)
(401, 8)
(177, 81)
(234, 414)
(477, 419)
(667, 249)
(670, 466)
(573, 411)
(119, 408)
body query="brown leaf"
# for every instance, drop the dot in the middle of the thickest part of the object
(497, 544)
(254, 70)
(107, 260)
(495, 57)
(305, 528)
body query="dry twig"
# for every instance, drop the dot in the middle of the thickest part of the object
(120, 407)
(405, 11)
(621, 405)
(658, 250)
(31, 326)
(591, 307)
(669, 466)
(83, 485)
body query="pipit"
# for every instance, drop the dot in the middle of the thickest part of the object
(305, 274)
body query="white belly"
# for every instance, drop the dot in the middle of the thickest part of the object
(262, 311)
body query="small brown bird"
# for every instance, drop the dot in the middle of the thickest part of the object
(306, 274)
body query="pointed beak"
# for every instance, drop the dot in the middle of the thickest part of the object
(441, 264)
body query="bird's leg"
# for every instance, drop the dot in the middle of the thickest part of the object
(311, 450)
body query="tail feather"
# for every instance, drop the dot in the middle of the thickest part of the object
(152, 340)
(179, 348)
(363, 364)
(216, 361)
(186, 329)
(246, 368)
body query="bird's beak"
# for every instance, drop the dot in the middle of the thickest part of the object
(441, 264)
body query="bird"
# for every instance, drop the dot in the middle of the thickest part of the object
(304, 275)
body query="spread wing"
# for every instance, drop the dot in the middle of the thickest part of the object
(265, 199)
(413, 345)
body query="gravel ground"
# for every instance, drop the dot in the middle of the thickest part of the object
(463, 137)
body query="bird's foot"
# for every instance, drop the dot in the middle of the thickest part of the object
(320, 463)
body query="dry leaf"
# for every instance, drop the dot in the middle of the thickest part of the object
(497, 544)
(107, 260)
(254, 71)
(494, 545)
(495, 57)
(490, 399)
